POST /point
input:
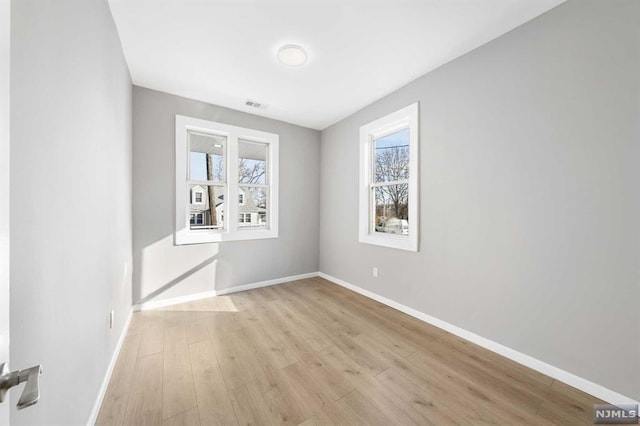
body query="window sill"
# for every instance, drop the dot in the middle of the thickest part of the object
(401, 242)
(185, 236)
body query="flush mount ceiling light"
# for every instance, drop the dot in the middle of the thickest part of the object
(292, 55)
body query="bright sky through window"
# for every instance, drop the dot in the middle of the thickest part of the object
(394, 139)
(198, 165)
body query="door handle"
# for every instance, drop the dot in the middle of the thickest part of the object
(31, 392)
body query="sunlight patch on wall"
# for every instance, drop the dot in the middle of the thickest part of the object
(165, 267)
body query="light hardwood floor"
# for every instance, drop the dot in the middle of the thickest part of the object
(311, 352)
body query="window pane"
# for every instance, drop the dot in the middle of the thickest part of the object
(252, 162)
(391, 156)
(253, 213)
(201, 213)
(392, 209)
(206, 157)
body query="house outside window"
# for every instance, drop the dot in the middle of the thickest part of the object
(389, 180)
(215, 163)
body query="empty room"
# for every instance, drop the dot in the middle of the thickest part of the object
(319, 212)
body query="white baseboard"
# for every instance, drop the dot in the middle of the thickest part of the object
(266, 283)
(577, 382)
(197, 296)
(173, 301)
(105, 383)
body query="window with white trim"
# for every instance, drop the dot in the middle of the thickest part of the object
(389, 180)
(217, 163)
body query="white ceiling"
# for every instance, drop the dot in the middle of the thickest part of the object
(223, 51)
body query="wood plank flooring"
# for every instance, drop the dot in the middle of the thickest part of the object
(313, 353)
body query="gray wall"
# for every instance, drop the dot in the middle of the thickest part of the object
(528, 199)
(163, 270)
(70, 201)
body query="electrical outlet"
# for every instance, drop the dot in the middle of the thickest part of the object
(375, 272)
(112, 315)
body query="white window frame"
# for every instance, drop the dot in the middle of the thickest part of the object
(230, 231)
(406, 118)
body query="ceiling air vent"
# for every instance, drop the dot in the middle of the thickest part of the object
(255, 104)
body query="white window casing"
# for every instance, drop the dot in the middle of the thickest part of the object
(230, 231)
(406, 118)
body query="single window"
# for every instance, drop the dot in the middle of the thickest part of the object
(389, 180)
(215, 163)
(253, 167)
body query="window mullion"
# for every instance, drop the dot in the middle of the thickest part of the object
(389, 183)
(252, 185)
(205, 182)
(231, 202)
